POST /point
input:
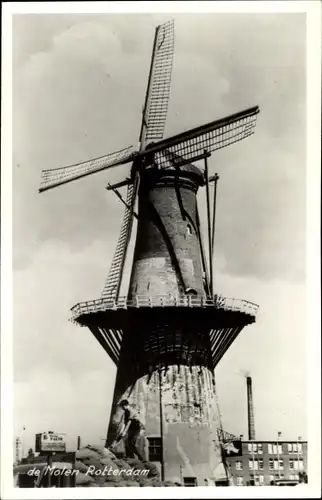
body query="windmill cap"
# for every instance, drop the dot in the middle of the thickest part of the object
(189, 172)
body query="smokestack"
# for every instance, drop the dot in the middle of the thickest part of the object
(251, 423)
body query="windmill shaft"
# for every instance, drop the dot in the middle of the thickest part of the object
(203, 257)
(161, 425)
(215, 179)
(209, 226)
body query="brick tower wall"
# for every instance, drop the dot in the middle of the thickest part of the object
(167, 253)
(190, 419)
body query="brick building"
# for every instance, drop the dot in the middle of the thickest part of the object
(261, 462)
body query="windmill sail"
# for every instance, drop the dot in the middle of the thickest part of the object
(158, 90)
(114, 279)
(191, 145)
(58, 176)
(152, 128)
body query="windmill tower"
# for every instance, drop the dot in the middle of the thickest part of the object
(169, 332)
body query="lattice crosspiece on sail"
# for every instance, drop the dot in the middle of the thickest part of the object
(113, 282)
(158, 92)
(58, 176)
(191, 145)
(226, 437)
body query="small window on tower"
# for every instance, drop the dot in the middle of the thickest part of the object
(189, 230)
(155, 453)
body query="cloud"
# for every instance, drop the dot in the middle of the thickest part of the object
(90, 40)
(43, 295)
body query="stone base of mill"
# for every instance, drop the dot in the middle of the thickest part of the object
(179, 417)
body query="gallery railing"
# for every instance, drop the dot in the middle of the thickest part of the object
(218, 302)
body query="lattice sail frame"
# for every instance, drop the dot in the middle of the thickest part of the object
(192, 145)
(158, 92)
(114, 279)
(58, 176)
(152, 128)
(189, 146)
(227, 437)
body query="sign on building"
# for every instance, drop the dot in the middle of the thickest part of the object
(50, 441)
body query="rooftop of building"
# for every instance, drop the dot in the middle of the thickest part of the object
(274, 440)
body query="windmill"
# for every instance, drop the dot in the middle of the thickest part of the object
(169, 332)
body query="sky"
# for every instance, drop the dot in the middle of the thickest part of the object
(78, 90)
